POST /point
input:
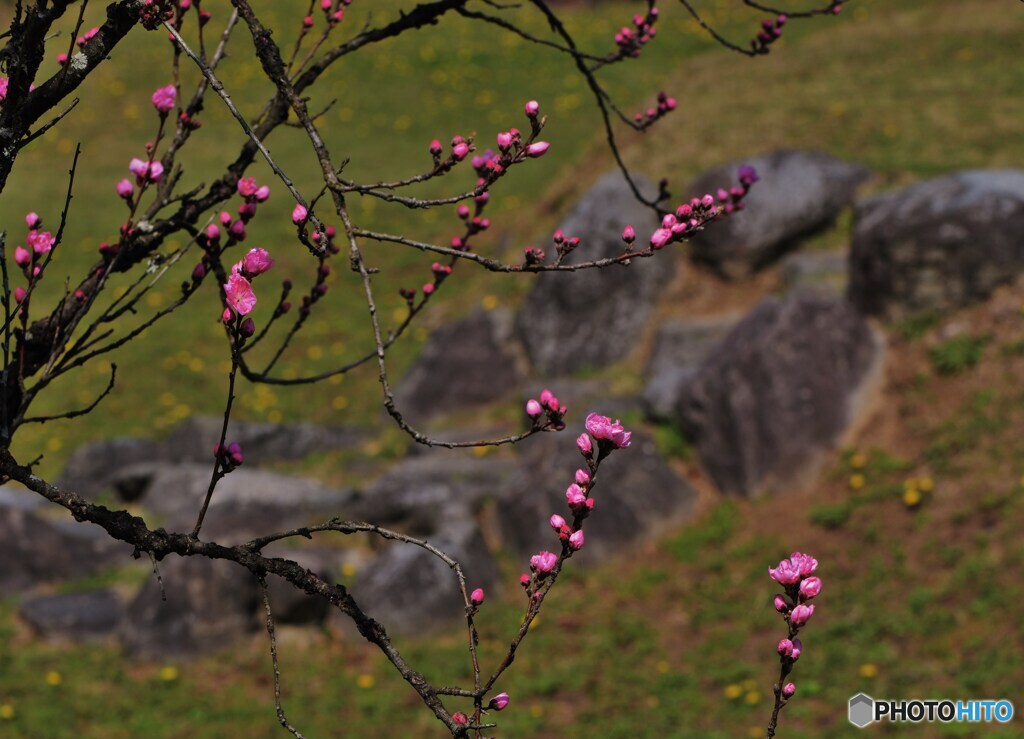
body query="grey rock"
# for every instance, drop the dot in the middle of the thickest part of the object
(36, 550)
(637, 495)
(937, 245)
(73, 616)
(93, 466)
(679, 348)
(209, 604)
(779, 391)
(467, 362)
(291, 605)
(826, 271)
(800, 192)
(245, 503)
(594, 317)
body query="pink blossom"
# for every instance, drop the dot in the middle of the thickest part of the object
(707, 201)
(603, 428)
(628, 234)
(498, 702)
(576, 540)
(239, 294)
(804, 563)
(477, 597)
(460, 150)
(40, 241)
(22, 255)
(435, 147)
(533, 408)
(789, 690)
(156, 169)
(247, 187)
(584, 445)
(545, 396)
(785, 573)
(556, 522)
(574, 495)
(125, 189)
(19, 294)
(582, 477)
(32, 220)
(785, 648)
(801, 615)
(212, 232)
(543, 562)
(460, 718)
(262, 193)
(810, 588)
(661, 237)
(163, 98)
(3, 87)
(504, 140)
(256, 262)
(798, 647)
(780, 604)
(532, 108)
(299, 213)
(537, 149)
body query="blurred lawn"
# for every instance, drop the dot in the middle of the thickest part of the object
(911, 89)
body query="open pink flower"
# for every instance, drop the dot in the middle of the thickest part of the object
(543, 562)
(247, 187)
(239, 294)
(40, 241)
(603, 428)
(163, 98)
(785, 573)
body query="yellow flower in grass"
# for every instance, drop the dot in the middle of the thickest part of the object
(857, 481)
(868, 670)
(732, 692)
(858, 461)
(756, 732)
(54, 678)
(168, 673)
(366, 681)
(925, 484)
(911, 498)
(752, 698)
(6, 711)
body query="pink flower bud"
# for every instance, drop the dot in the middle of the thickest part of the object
(504, 140)
(22, 256)
(125, 189)
(256, 262)
(524, 579)
(533, 408)
(801, 615)
(163, 98)
(785, 648)
(789, 690)
(227, 315)
(574, 495)
(212, 232)
(477, 597)
(584, 444)
(532, 108)
(707, 201)
(810, 588)
(248, 328)
(576, 540)
(262, 193)
(661, 237)
(628, 234)
(428, 289)
(19, 294)
(537, 149)
(780, 605)
(299, 213)
(556, 522)
(460, 150)
(435, 147)
(798, 647)
(32, 220)
(156, 170)
(498, 702)
(138, 167)
(460, 718)
(582, 477)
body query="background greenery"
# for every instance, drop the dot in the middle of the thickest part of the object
(922, 591)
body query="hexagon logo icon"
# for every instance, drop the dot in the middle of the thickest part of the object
(862, 710)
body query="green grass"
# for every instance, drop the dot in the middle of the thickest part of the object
(673, 641)
(958, 354)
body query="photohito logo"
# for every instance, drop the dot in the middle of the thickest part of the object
(864, 709)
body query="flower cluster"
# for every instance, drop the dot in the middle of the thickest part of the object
(608, 435)
(154, 12)
(239, 295)
(665, 106)
(547, 408)
(771, 30)
(29, 259)
(229, 457)
(631, 40)
(796, 576)
(690, 217)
